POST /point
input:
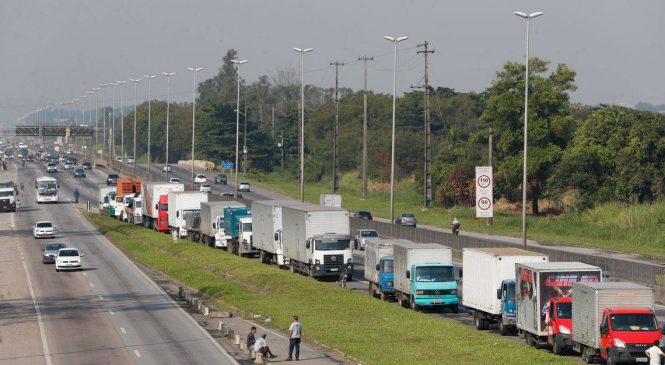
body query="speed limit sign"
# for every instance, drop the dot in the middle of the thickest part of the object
(484, 194)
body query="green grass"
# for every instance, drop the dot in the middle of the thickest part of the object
(360, 327)
(636, 229)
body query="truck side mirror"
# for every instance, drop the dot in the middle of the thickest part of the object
(461, 273)
(378, 267)
(156, 206)
(214, 225)
(177, 214)
(498, 294)
(276, 236)
(408, 274)
(307, 244)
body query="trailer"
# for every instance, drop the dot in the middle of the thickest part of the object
(489, 284)
(212, 222)
(155, 203)
(193, 225)
(180, 202)
(267, 225)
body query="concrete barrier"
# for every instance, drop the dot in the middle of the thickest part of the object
(258, 359)
(236, 340)
(181, 292)
(214, 313)
(205, 311)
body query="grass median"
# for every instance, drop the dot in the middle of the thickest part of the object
(360, 327)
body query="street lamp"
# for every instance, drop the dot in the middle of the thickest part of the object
(104, 117)
(238, 63)
(168, 101)
(194, 71)
(112, 139)
(95, 90)
(135, 81)
(395, 40)
(122, 123)
(302, 119)
(149, 78)
(528, 18)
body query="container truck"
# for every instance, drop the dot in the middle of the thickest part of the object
(238, 230)
(180, 202)
(379, 266)
(614, 321)
(425, 276)
(134, 209)
(267, 224)
(193, 225)
(104, 198)
(539, 282)
(212, 222)
(489, 284)
(317, 240)
(155, 203)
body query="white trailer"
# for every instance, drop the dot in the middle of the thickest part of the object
(151, 191)
(179, 203)
(489, 284)
(212, 222)
(330, 200)
(317, 240)
(267, 226)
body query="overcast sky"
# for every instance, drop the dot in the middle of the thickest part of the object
(52, 51)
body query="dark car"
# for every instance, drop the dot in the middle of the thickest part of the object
(79, 172)
(364, 215)
(51, 251)
(87, 166)
(112, 179)
(30, 158)
(220, 179)
(406, 219)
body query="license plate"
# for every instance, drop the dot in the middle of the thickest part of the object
(642, 359)
(437, 302)
(334, 269)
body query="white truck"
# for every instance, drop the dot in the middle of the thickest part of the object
(181, 202)
(134, 209)
(317, 240)
(379, 266)
(104, 197)
(424, 276)
(152, 192)
(489, 284)
(8, 196)
(212, 222)
(267, 226)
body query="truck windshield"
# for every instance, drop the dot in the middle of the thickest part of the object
(633, 322)
(165, 207)
(564, 310)
(369, 234)
(387, 266)
(7, 193)
(137, 204)
(332, 245)
(511, 291)
(246, 227)
(435, 273)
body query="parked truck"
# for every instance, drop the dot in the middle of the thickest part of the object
(267, 226)
(238, 231)
(425, 276)
(155, 203)
(212, 222)
(180, 202)
(104, 198)
(614, 321)
(8, 194)
(317, 241)
(134, 209)
(539, 282)
(489, 284)
(379, 271)
(193, 225)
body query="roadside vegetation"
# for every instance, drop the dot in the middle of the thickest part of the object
(631, 229)
(360, 327)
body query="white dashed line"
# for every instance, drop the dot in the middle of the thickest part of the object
(111, 312)
(101, 297)
(137, 353)
(91, 285)
(122, 329)
(47, 355)
(84, 274)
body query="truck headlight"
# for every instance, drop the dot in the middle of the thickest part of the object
(350, 260)
(389, 283)
(317, 261)
(564, 330)
(419, 291)
(619, 343)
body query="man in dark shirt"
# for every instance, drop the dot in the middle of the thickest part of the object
(251, 340)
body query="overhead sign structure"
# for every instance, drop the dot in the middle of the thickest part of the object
(484, 193)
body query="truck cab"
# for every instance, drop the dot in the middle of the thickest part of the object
(238, 230)
(134, 210)
(559, 324)
(330, 254)
(506, 294)
(433, 285)
(162, 208)
(218, 226)
(386, 276)
(625, 333)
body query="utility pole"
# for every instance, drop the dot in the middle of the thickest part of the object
(427, 192)
(365, 59)
(489, 163)
(336, 132)
(273, 124)
(244, 148)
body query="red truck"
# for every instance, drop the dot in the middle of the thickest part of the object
(156, 203)
(559, 324)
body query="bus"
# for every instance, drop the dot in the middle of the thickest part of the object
(47, 189)
(22, 150)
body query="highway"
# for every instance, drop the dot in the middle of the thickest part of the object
(110, 313)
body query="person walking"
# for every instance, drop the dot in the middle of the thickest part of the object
(76, 195)
(295, 333)
(251, 340)
(261, 346)
(18, 207)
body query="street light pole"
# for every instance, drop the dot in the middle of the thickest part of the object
(168, 102)
(528, 18)
(395, 40)
(122, 123)
(135, 81)
(96, 89)
(194, 71)
(238, 63)
(103, 118)
(302, 119)
(149, 78)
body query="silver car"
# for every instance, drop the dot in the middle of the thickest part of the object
(50, 251)
(406, 219)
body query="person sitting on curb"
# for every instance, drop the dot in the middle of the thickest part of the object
(262, 347)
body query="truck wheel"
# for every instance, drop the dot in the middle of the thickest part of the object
(610, 359)
(414, 306)
(503, 329)
(455, 309)
(383, 297)
(556, 347)
(588, 355)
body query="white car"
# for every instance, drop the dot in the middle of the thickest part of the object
(243, 186)
(118, 159)
(166, 168)
(130, 160)
(362, 235)
(206, 188)
(175, 180)
(68, 259)
(51, 167)
(43, 229)
(200, 179)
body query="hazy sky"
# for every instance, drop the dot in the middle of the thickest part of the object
(52, 51)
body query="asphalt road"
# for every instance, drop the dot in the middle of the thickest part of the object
(109, 313)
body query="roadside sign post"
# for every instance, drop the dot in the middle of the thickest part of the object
(227, 165)
(484, 194)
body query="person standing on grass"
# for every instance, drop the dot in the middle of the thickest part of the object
(295, 333)
(251, 340)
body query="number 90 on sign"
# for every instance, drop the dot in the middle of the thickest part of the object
(484, 203)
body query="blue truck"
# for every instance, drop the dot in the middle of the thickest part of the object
(425, 276)
(379, 271)
(238, 231)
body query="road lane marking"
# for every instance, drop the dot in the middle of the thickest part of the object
(111, 312)
(137, 353)
(91, 285)
(101, 297)
(47, 355)
(84, 274)
(122, 329)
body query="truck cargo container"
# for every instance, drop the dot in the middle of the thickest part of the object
(155, 203)
(104, 198)
(193, 225)
(212, 222)
(267, 226)
(238, 230)
(126, 186)
(180, 202)
(614, 321)
(539, 282)
(317, 240)
(379, 266)
(425, 276)
(489, 284)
